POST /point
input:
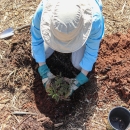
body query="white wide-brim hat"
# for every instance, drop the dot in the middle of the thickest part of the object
(66, 24)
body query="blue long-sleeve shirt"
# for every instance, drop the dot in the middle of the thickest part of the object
(92, 43)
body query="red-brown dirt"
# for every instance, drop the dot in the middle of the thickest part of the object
(114, 63)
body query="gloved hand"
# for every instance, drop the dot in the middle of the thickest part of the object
(77, 82)
(45, 73)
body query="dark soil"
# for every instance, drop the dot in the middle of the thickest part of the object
(110, 71)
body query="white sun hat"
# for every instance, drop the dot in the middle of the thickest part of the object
(66, 24)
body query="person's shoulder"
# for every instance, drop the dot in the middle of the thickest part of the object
(97, 25)
(99, 2)
(97, 14)
(40, 8)
(38, 13)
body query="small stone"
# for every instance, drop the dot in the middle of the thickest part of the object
(16, 13)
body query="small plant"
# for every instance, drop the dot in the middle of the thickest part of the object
(58, 88)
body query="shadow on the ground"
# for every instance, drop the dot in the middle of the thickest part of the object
(83, 101)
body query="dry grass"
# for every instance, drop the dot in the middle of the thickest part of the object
(117, 18)
(14, 13)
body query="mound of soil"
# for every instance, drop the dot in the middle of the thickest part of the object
(113, 64)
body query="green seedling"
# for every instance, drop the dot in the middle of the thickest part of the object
(58, 89)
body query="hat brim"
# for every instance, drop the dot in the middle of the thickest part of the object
(78, 41)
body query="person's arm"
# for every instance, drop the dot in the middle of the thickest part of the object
(37, 43)
(91, 51)
(90, 55)
(96, 35)
(93, 43)
(37, 46)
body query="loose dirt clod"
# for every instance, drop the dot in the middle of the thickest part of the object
(114, 62)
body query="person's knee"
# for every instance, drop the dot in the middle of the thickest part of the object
(48, 51)
(77, 66)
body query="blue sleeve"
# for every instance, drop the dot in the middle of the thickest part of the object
(93, 42)
(99, 2)
(37, 43)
